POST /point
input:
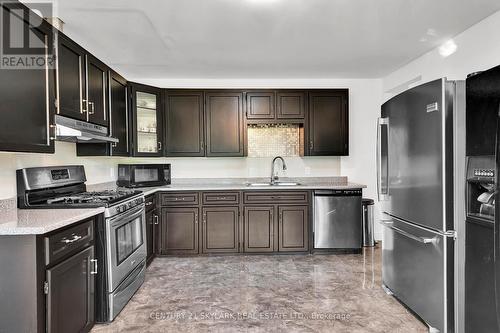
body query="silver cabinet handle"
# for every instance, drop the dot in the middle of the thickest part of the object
(94, 269)
(419, 239)
(92, 107)
(202, 145)
(71, 240)
(156, 219)
(149, 203)
(311, 145)
(159, 146)
(84, 106)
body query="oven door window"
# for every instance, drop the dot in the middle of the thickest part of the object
(146, 175)
(128, 238)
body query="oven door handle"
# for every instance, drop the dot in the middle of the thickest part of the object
(129, 215)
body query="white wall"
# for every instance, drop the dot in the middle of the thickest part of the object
(478, 48)
(359, 166)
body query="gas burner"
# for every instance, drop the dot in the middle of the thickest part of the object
(95, 197)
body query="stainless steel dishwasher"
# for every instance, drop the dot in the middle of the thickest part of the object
(337, 219)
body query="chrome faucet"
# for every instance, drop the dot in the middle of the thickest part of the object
(275, 178)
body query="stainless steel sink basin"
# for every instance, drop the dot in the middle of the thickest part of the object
(274, 184)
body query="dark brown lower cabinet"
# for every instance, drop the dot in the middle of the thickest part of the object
(70, 297)
(179, 230)
(220, 229)
(293, 228)
(151, 234)
(259, 229)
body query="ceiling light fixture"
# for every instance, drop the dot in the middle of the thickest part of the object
(448, 48)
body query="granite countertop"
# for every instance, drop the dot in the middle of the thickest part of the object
(15, 221)
(238, 184)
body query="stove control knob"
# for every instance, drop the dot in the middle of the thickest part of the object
(118, 209)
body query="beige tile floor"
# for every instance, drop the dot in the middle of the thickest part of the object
(265, 293)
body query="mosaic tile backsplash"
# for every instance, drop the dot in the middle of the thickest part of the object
(268, 140)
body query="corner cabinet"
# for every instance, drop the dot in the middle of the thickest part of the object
(147, 118)
(328, 123)
(224, 123)
(27, 94)
(184, 123)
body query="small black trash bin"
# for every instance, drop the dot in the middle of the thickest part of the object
(368, 222)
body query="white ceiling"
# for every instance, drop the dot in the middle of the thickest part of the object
(265, 38)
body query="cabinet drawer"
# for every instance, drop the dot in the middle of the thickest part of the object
(179, 199)
(60, 244)
(220, 198)
(150, 202)
(275, 197)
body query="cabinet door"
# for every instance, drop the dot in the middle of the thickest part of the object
(71, 79)
(259, 229)
(184, 123)
(480, 278)
(119, 122)
(328, 123)
(220, 229)
(27, 95)
(97, 91)
(293, 228)
(224, 119)
(150, 224)
(147, 120)
(179, 231)
(291, 105)
(260, 105)
(70, 300)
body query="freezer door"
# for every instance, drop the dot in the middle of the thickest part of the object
(417, 269)
(415, 150)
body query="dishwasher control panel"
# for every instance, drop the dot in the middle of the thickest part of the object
(354, 192)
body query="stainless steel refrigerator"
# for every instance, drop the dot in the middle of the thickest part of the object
(421, 161)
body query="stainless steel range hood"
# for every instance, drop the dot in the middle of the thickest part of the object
(71, 130)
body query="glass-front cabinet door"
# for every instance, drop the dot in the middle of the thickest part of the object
(148, 138)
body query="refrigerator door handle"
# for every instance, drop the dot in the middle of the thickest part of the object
(419, 239)
(381, 192)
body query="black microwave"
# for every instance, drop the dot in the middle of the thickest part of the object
(143, 175)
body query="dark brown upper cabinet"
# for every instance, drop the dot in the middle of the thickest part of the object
(119, 114)
(146, 120)
(224, 123)
(71, 76)
(290, 105)
(117, 103)
(97, 81)
(184, 125)
(82, 83)
(328, 123)
(27, 95)
(269, 106)
(260, 105)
